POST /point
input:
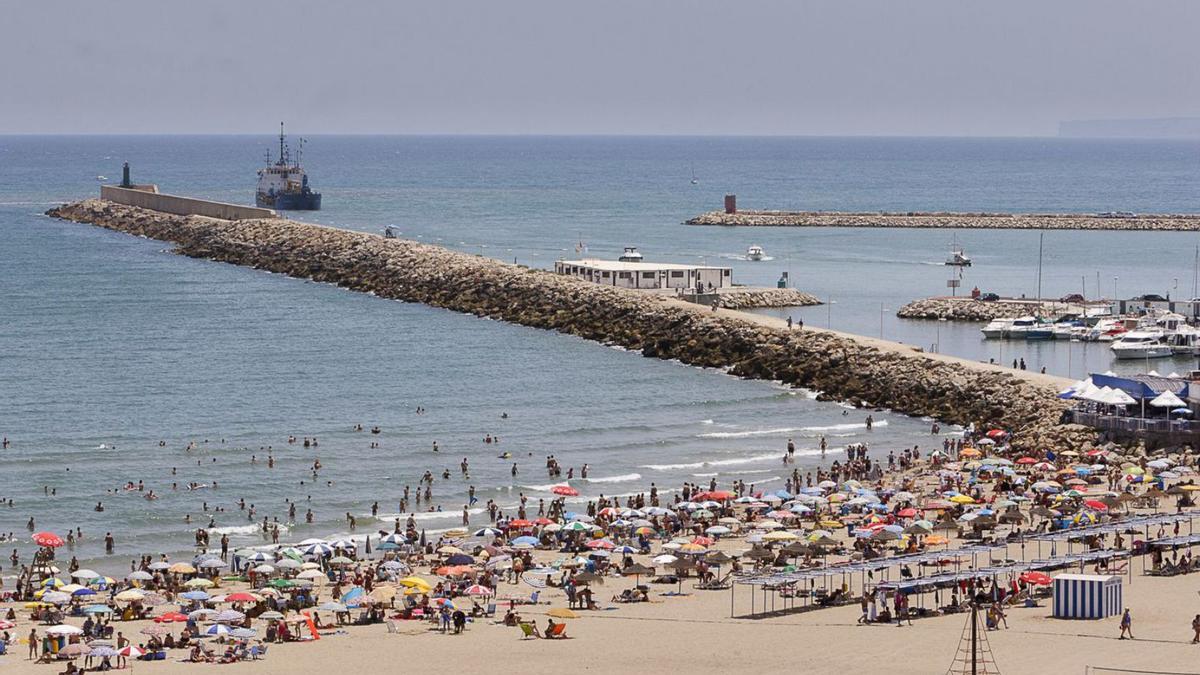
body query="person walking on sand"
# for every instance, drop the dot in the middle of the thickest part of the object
(1126, 625)
(1196, 629)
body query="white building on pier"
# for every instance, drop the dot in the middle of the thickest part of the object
(649, 276)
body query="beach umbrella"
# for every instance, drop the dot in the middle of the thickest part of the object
(181, 568)
(416, 583)
(171, 617)
(74, 650)
(212, 564)
(85, 574)
(103, 651)
(230, 616)
(311, 574)
(64, 629)
(264, 569)
(320, 549)
(130, 595)
(139, 575)
(341, 560)
(479, 591)
(562, 613)
(159, 566)
(97, 609)
(271, 616)
(194, 595)
(218, 629)
(242, 596)
(565, 490)
(343, 545)
(202, 614)
(131, 652)
(1036, 578)
(47, 539)
(56, 597)
(198, 582)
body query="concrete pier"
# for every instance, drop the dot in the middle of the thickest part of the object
(866, 372)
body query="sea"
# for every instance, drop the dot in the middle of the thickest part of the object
(122, 362)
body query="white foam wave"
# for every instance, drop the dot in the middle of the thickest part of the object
(243, 530)
(716, 462)
(791, 430)
(623, 478)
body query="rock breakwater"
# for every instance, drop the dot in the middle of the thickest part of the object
(1002, 221)
(966, 309)
(747, 298)
(837, 365)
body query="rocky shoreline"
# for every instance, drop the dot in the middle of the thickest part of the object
(1004, 221)
(839, 366)
(749, 298)
(966, 309)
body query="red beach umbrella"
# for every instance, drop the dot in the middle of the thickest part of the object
(518, 524)
(715, 495)
(1095, 505)
(171, 617)
(240, 597)
(47, 539)
(1027, 460)
(909, 512)
(565, 490)
(1037, 578)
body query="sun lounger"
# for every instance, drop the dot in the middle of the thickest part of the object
(559, 632)
(528, 630)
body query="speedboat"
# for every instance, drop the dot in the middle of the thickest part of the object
(958, 258)
(1020, 326)
(631, 254)
(1106, 330)
(1067, 330)
(998, 328)
(1142, 344)
(1041, 331)
(755, 253)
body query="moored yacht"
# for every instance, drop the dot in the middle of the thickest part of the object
(997, 328)
(1141, 344)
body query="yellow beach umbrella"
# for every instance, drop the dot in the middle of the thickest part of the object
(130, 595)
(830, 523)
(416, 583)
(780, 535)
(962, 499)
(562, 613)
(181, 568)
(198, 583)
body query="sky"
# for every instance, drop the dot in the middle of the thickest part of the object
(752, 67)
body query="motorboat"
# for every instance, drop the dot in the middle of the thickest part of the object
(958, 258)
(1041, 331)
(631, 254)
(1021, 326)
(997, 328)
(1067, 330)
(1142, 344)
(1106, 330)
(755, 253)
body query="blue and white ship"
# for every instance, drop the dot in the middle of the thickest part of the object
(284, 185)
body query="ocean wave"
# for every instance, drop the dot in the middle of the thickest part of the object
(716, 462)
(623, 478)
(243, 530)
(790, 430)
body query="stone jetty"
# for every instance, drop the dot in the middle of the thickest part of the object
(966, 309)
(999, 221)
(865, 372)
(748, 298)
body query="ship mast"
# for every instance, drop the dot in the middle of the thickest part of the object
(281, 151)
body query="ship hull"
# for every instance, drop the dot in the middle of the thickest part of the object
(304, 201)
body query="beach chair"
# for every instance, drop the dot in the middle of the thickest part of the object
(528, 630)
(258, 652)
(490, 610)
(392, 629)
(559, 632)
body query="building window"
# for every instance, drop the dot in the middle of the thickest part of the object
(676, 274)
(604, 274)
(648, 275)
(626, 275)
(726, 272)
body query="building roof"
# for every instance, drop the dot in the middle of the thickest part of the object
(620, 266)
(1142, 385)
(1086, 577)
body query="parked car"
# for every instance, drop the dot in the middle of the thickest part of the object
(989, 297)
(1151, 297)
(1072, 297)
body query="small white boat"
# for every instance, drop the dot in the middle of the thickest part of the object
(755, 253)
(997, 328)
(631, 254)
(958, 259)
(1141, 344)
(101, 177)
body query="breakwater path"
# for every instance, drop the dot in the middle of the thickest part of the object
(860, 370)
(999, 221)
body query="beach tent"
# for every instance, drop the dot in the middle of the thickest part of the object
(1087, 596)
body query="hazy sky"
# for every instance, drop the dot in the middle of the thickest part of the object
(931, 67)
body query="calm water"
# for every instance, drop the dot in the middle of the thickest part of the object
(111, 344)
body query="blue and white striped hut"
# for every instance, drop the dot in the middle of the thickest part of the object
(1087, 596)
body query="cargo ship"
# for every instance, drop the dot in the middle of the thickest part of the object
(283, 184)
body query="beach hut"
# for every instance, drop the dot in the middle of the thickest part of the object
(1087, 596)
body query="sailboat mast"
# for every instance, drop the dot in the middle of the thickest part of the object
(1195, 271)
(281, 142)
(1041, 238)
